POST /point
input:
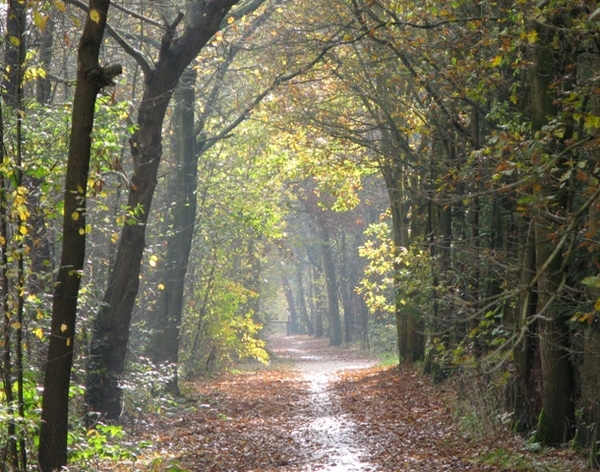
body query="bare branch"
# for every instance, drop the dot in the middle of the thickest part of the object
(137, 15)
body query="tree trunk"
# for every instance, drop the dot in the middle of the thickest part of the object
(557, 419)
(55, 402)
(524, 395)
(164, 346)
(310, 330)
(293, 327)
(317, 302)
(43, 92)
(333, 307)
(110, 333)
(346, 292)
(14, 53)
(394, 184)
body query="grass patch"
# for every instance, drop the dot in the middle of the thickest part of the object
(517, 461)
(387, 359)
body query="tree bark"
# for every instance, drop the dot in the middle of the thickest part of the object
(164, 346)
(557, 419)
(393, 181)
(333, 311)
(310, 329)
(524, 400)
(110, 334)
(292, 327)
(90, 79)
(14, 53)
(317, 302)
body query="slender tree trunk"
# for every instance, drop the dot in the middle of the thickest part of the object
(310, 329)
(14, 53)
(524, 400)
(90, 79)
(44, 88)
(9, 456)
(346, 289)
(317, 304)
(12, 95)
(333, 310)
(293, 327)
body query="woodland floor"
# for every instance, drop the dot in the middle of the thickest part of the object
(317, 408)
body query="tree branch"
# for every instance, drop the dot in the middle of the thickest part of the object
(137, 15)
(136, 54)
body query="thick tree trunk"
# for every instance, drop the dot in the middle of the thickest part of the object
(110, 334)
(557, 419)
(590, 394)
(164, 346)
(400, 237)
(90, 79)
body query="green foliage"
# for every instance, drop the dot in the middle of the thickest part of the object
(227, 332)
(389, 281)
(383, 338)
(90, 446)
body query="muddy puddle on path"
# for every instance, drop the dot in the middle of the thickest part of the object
(328, 436)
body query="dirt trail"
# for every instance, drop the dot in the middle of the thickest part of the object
(330, 438)
(326, 409)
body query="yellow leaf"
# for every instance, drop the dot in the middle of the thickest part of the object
(40, 20)
(39, 333)
(16, 325)
(37, 18)
(2, 240)
(75, 216)
(497, 61)
(23, 230)
(161, 287)
(153, 260)
(44, 22)
(532, 36)
(79, 187)
(23, 212)
(81, 231)
(68, 341)
(60, 5)
(597, 305)
(76, 22)
(14, 41)
(63, 328)
(94, 16)
(230, 20)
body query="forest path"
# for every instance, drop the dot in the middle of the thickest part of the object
(329, 436)
(328, 409)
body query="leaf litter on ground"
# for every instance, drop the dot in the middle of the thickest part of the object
(256, 420)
